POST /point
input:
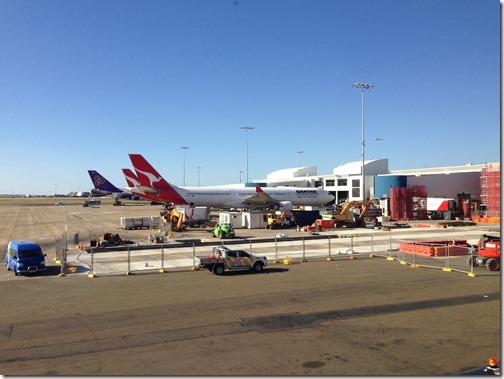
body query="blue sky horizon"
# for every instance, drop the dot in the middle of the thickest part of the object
(85, 83)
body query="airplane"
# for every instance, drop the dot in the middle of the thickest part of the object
(276, 198)
(102, 187)
(133, 184)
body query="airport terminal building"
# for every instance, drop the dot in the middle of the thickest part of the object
(479, 181)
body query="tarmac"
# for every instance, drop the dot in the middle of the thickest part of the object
(362, 316)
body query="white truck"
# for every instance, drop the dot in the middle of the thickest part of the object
(222, 259)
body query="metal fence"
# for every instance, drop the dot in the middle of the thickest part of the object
(61, 251)
(177, 256)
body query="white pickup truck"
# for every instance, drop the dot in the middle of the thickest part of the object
(222, 259)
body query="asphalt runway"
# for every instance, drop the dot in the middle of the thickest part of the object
(346, 317)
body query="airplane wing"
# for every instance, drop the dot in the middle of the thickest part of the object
(260, 198)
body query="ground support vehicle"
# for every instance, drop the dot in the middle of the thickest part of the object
(91, 203)
(175, 218)
(488, 253)
(184, 217)
(222, 259)
(24, 257)
(353, 212)
(278, 220)
(223, 230)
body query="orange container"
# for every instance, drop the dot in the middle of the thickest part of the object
(325, 224)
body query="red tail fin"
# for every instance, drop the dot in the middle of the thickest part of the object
(149, 177)
(131, 178)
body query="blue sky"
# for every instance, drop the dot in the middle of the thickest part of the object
(85, 83)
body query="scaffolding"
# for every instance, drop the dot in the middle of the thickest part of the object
(408, 203)
(490, 189)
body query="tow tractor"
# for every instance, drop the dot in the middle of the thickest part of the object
(488, 253)
(223, 230)
(222, 259)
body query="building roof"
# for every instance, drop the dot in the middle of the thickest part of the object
(440, 170)
(293, 173)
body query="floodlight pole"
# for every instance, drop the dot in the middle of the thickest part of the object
(363, 86)
(378, 146)
(300, 152)
(184, 148)
(246, 128)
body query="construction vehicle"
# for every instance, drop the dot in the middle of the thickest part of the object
(222, 258)
(279, 220)
(175, 218)
(488, 253)
(349, 216)
(223, 230)
(184, 217)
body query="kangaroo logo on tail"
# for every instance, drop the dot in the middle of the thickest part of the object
(150, 178)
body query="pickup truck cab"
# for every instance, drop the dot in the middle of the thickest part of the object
(222, 259)
(24, 257)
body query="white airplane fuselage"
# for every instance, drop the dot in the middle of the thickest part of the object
(153, 184)
(222, 197)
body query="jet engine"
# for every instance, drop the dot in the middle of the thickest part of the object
(283, 206)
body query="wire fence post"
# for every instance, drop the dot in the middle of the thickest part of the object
(390, 246)
(303, 249)
(129, 261)
(92, 262)
(471, 262)
(162, 260)
(447, 256)
(329, 241)
(372, 245)
(276, 250)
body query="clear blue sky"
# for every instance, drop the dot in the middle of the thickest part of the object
(86, 82)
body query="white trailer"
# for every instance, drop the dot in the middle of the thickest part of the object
(255, 220)
(193, 216)
(233, 218)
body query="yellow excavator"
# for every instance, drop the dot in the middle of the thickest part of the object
(285, 220)
(347, 217)
(176, 218)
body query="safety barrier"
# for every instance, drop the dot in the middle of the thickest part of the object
(488, 220)
(448, 255)
(135, 259)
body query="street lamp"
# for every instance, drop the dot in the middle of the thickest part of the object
(246, 128)
(184, 148)
(378, 146)
(300, 152)
(363, 86)
(199, 168)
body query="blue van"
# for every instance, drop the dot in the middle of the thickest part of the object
(24, 257)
